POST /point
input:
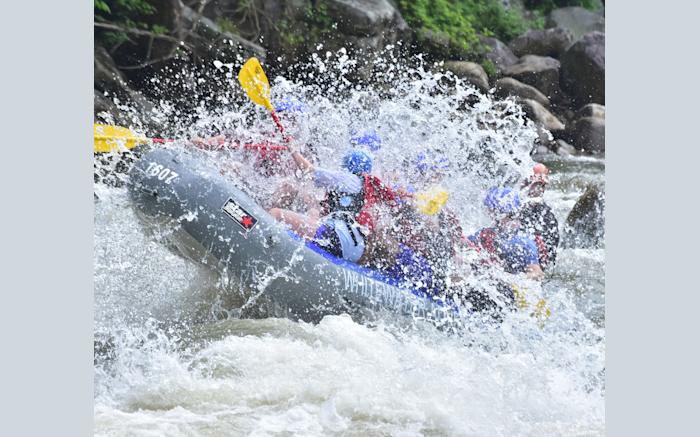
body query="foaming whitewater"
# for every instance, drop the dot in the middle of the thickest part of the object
(173, 357)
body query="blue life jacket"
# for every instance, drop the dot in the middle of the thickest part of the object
(413, 271)
(515, 251)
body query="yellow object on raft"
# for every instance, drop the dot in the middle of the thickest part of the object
(114, 138)
(431, 201)
(540, 310)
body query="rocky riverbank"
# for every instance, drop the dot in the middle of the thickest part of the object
(555, 69)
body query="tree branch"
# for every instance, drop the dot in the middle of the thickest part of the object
(137, 32)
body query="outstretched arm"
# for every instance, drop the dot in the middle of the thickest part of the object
(211, 143)
(304, 164)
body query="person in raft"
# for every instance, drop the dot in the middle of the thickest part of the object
(344, 221)
(537, 218)
(267, 154)
(505, 243)
(388, 252)
(297, 195)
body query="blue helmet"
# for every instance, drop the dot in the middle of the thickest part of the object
(291, 105)
(370, 139)
(357, 162)
(502, 200)
(429, 161)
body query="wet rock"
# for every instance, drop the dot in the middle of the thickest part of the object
(541, 115)
(367, 26)
(437, 45)
(508, 86)
(591, 110)
(543, 42)
(112, 87)
(541, 153)
(583, 69)
(585, 224)
(578, 21)
(469, 71)
(498, 53)
(541, 72)
(563, 148)
(588, 134)
(106, 74)
(364, 17)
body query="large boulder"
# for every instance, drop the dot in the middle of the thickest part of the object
(469, 71)
(498, 53)
(437, 44)
(591, 110)
(562, 148)
(588, 134)
(578, 21)
(585, 224)
(583, 69)
(547, 42)
(542, 72)
(507, 86)
(542, 116)
(364, 17)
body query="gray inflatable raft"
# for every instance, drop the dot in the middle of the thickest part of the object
(217, 224)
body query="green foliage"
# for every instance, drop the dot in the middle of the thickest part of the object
(546, 6)
(317, 26)
(290, 35)
(461, 21)
(130, 14)
(101, 6)
(227, 25)
(111, 39)
(118, 11)
(489, 68)
(317, 17)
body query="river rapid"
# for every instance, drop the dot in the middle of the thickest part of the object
(173, 359)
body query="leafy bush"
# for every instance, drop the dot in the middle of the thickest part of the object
(461, 21)
(546, 6)
(490, 68)
(128, 14)
(317, 26)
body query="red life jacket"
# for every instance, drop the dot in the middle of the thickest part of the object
(374, 191)
(486, 239)
(359, 204)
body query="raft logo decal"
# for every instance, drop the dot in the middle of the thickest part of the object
(239, 215)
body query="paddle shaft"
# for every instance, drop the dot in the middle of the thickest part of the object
(287, 139)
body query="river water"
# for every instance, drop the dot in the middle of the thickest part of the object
(169, 364)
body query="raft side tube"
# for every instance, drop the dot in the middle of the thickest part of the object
(222, 227)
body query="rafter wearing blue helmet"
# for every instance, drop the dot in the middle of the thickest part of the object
(369, 139)
(338, 230)
(505, 242)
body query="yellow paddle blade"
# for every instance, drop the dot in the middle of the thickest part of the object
(430, 202)
(254, 82)
(109, 138)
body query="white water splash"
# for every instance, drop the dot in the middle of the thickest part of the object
(164, 374)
